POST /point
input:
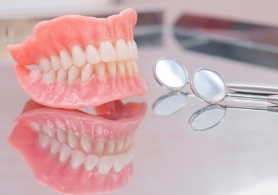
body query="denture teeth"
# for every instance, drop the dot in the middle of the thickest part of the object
(107, 52)
(66, 60)
(119, 146)
(49, 76)
(90, 162)
(121, 68)
(73, 74)
(98, 147)
(36, 126)
(105, 164)
(134, 67)
(120, 162)
(100, 69)
(55, 62)
(61, 136)
(73, 141)
(134, 50)
(86, 144)
(44, 140)
(86, 72)
(61, 75)
(78, 56)
(128, 68)
(55, 147)
(111, 68)
(65, 152)
(48, 131)
(121, 50)
(92, 55)
(109, 149)
(35, 74)
(77, 159)
(45, 65)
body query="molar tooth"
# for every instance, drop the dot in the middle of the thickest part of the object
(134, 50)
(77, 159)
(98, 147)
(100, 69)
(35, 74)
(45, 65)
(66, 61)
(36, 126)
(44, 140)
(92, 55)
(121, 68)
(86, 144)
(65, 152)
(128, 68)
(86, 72)
(111, 68)
(107, 52)
(48, 131)
(73, 141)
(61, 75)
(55, 146)
(121, 50)
(105, 164)
(73, 74)
(78, 56)
(61, 135)
(55, 62)
(90, 162)
(49, 76)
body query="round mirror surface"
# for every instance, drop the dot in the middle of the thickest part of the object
(208, 85)
(170, 73)
(207, 118)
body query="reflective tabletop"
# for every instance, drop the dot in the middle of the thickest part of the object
(193, 149)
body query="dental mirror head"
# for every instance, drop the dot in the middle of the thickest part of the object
(169, 104)
(208, 85)
(170, 73)
(208, 117)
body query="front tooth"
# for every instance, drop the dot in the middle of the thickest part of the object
(109, 148)
(128, 68)
(55, 62)
(92, 55)
(66, 61)
(86, 144)
(105, 164)
(77, 159)
(49, 76)
(48, 131)
(98, 147)
(45, 65)
(121, 50)
(86, 72)
(36, 126)
(35, 74)
(100, 69)
(44, 140)
(107, 52)
(90, 162)
(111, 67)
(61, 75)
(134, 50)
(73, 140)
(121, 68)
(65, 152)
(78, 56)
(120, 162)
(73, 74)
(55, 146)
(61, 136)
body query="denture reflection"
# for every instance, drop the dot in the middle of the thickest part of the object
(75, 152)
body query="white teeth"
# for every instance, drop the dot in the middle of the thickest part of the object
(121, 50)
(48, 131)
(66, 61)
(73, 141)
(65, 152)
(86, 72)
(55, 62)
(128, 68)
(90, 162)
(44, 140)
(61, 75)
(98, 147)
(130, 50)
(35, 74)
(77, 159)
(111, 67)
(120, 162)
(73, 74)
(134, 67)
(92, 55)
(119, 146)
(61, 136)
(105, 164)
(45, 65)
(36, 126)
(78, 56)
(86, 144)
(134, 50)
(109, 148)
(121, 68)
(127, 143)
(55, 146)
(49, 76)
(100, 69)
(107, 52)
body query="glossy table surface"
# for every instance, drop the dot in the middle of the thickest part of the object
(236, 156)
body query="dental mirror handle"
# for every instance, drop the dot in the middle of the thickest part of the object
(269, 98)
(253, 88)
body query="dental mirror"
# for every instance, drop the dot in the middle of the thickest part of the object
(170, 73)
(169, 104)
